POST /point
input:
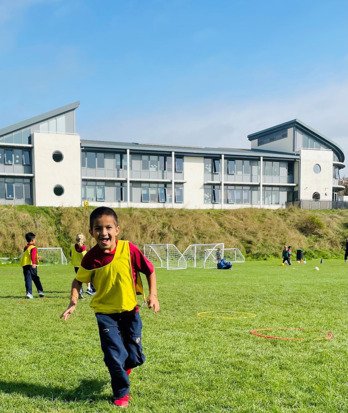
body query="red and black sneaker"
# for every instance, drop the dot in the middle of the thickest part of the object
(122, 401)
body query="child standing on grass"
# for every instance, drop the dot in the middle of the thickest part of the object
(29, 261)
(77, 252)
(113, 266)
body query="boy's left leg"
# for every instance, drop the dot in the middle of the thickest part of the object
(131, 326)
(37, 281)
(28, 281)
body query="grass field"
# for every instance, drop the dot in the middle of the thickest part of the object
(195, 362)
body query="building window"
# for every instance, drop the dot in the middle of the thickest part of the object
(215, 195)
(26, 158)
(91, 160)
(216, 166)
(162, 195)
(58, 190)
(231, 167)
(57, 156)
(179, 194)
(119, 193)
(179, 165)
(145, 194)
(8, 156)
(9, 191)
(317, 168)
(100, 160)
(100, 193)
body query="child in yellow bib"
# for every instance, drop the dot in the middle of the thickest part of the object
(77, 252)
(113, 267)
(29, 261)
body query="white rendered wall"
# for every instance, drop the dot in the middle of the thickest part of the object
(310, 181)
(48, 173)
(194, 178)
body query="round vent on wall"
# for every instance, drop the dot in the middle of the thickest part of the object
(57, 156)
(316, 196)
(58, 190)
(317, 168)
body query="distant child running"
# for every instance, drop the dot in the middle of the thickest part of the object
(29, 261)
(113, 266)
(77, 252)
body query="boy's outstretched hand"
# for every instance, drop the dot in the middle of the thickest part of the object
(152, 302)
(67, 313)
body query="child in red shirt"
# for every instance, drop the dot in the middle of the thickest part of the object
(113, 267)
(29, 262)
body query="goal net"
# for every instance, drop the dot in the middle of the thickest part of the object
(233, 255)
(54, 255)
(228, 254)
(165, 256)
(196, 255)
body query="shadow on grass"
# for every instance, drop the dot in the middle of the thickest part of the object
(87, 390)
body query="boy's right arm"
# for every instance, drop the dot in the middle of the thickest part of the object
(74, 297)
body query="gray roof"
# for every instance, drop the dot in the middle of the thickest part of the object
(40, 118)
(184, 150)
(304, 128)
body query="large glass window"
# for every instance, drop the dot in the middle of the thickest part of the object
(275, 195)
(235, 194)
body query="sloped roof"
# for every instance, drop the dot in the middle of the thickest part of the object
(40, 118)
(304, 128)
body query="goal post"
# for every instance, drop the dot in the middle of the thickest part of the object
(51, 255)
(165, 256)
(213, 255)
(233, 255)
(196, 255)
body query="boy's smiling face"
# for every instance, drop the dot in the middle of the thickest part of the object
(105, 231)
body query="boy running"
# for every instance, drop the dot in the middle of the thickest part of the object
(113, 267)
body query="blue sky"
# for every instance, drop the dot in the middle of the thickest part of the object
(178, 72)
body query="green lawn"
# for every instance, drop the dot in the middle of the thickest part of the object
(195, 362)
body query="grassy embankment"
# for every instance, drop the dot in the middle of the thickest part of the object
(259, 234)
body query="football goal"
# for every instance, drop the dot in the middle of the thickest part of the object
(233, 255)
(165, 256)
(54, 255)
(228, 254)
(196, 255)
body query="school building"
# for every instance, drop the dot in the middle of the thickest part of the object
(44, 162)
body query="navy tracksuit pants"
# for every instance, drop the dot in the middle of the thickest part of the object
(120, 338)
(30, 274)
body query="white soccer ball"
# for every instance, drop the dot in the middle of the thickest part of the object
(316, 268)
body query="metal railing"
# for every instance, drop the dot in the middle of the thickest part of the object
(309, 204)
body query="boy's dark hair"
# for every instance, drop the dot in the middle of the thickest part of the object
(98, 212)
(29, 236)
